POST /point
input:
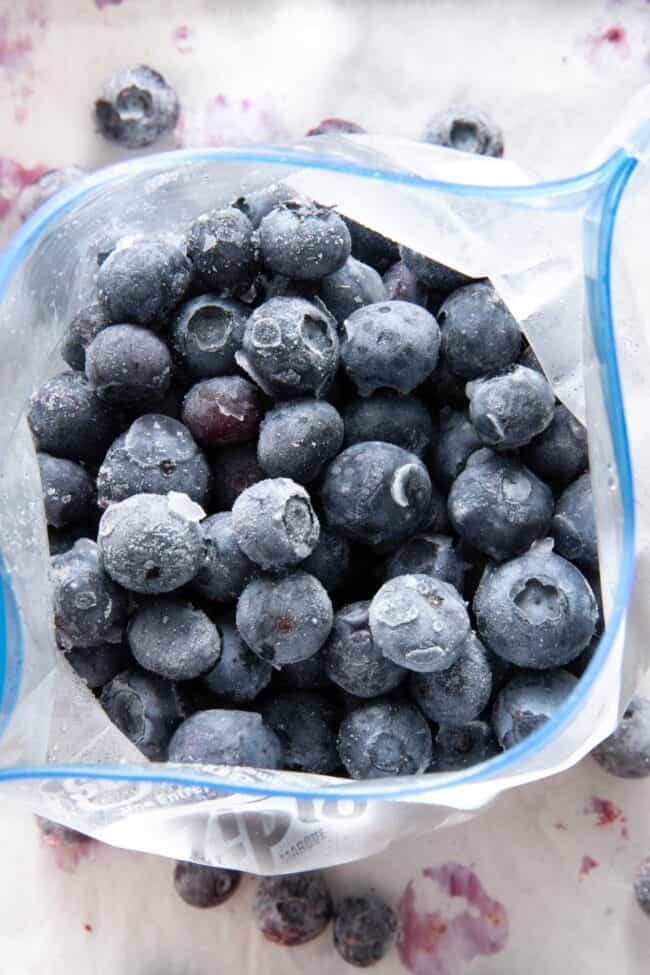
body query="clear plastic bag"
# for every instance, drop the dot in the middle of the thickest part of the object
(545, 246)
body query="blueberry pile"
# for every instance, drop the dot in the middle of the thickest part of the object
(312, 503)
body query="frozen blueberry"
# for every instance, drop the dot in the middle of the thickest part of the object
(89, 609)
(226, 738)
(275, 524)
(145, 708)
(352, 659)
(68, 491)
(536, 611)
(98, 665)
(285, 620)
(333, 126)
(80, 332)
(371, 247)
(559, 454)
(419, 622)
(465, 129)
(365, 929)
(457, 439)
(173, 638)
(509, 409)
(462, 746)
(626, 753)
(221, 411)
(235, 469)
(500, 507)
(642, 886)
(151, 543)
(142, 281)
(206, 333)
(306, 725)
(382, 738)
(258, 203)
(128, 366)
(351, 287)
(46, 186)
(220, 245)
(203, 886)
(239, 675)
(574, 525)
(376, 493)
(429, 555)
(136, 107)
(401, 284)
(156, 455)
(68, 420)
(458, 694)
(224, 569)
(390, 345)
(298, 438)
(330, 560)
(304, 240)
(290, 348)
(527, 702)
(293, 909)
(479, 335)
(305, 675)
(402, 420)
(438, 277)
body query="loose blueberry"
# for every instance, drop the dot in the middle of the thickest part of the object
(479, 335)
(224, 569)
(68, 491)
(306, 725)
(559, 454)
(401, 284)
(351, 287)
(89, 609)
(128, 366)
(46, 186)
(466, 130)
(384, 738)
(457, 440)
(429, 555)
(83, 328)
(173, 638)
(202, 886)
(298, 438)
(333, 126)
(239, 675)
(98, 665)
(371, 247)
(402, 420)
(459, 694)
(226, 738)
(142, 281)
(352, 659)
(574, 525)
(136, 107)
(458, 747)
(304, 240)
(527, 702)
(626, 753)
(330, 560)
(221, 411)
(145, 708)
(509, 409)
(235, 469)
(365, 929)
(439, 278)
(206, 333)
(220, 246)
(68, 420)
(275, 524)
(293, 909)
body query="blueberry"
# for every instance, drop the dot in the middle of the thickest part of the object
(89, 609)
(173, 638)
(626, 753)
(156, 455)
(202, 886)
(80, 332)
(351, 287)
(438, 277)
(402, 420)
(142, 281)
(527, 702)
(225, 569)
(226, 738)
(559, 454)
(293, 909)
(333, 126)
(68, 491)
(304, 240)
(458, 694)
(376, 493)
(371, 247)
(401, 284)
(220, 245)
(145, 708)
(239, 675)
(330, 560)
(390, 345)
(536, 611)
(98, 665)
(462, 746)
(128, 366)
(306, 725)
(235, 469)
(62, 540)
(574, 525)
(500, 507)
(206, 333)
(365, 929)
(46, 186)
(430, 555)
(258, 203)
(457, 440)
(68, 420)
(305, 675)
(221, 411)
(136, 107)
(511, 408)
(465, 129)
(352, 659)
(151, 543)
(285, 620)
(275, 524)
(642, 886)
(479, 335)
(419, 622)
(290, 348)
(383, 738)
(298, 438)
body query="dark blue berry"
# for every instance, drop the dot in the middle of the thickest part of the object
(509, 409)
(626, 753)
(384, 738)
(226, 738)
(574, 525)
(527, 702)
(371, 247)
(239, 675)
(203, 886)
(330, 560)
(68, 491)
(466, 130)
(206, 333)
(221, 248)
(401, 284)
(80, 332)
(293, 909)
(402, 420)
(145, 708)
(559, 454)
(456, 440)
(298, 438)
(173, 638)
(458, 694)
(479, 335)
(224, 410)
(68, 420)
(143, 280)
(352, 659)
(365, 929)
(306, 725)
(235, 469)
(136, 107)
(224, 569)
(462, 746)
(351, 287)
(275, 524)
(128, 366)
(304, 240)
(98, 665)
(89, 609)
(430, 555)
(439, 278)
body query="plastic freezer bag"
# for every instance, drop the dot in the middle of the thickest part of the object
(547, 249)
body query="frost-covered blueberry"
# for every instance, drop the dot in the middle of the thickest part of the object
(285, 620)
(371, 247)
(430, 555)
(274, 523)
(330, 560)
(304, 240)
(352, 659)
(461, 746)
(206, 333)
(383, 738)
(376, 493)
(89, 609)
(365, 928)
(157, 454)
(221, 247)
(98, 665)
(465, 129)
(527, 701)
(298, 438)
(479, 335)
(128, 366)
(68, 491)
(500, 507)
(574, 525)
(142, 281)
(401, 284)
(333, 126)
(351, 287)
(626, 753)
(221, 411)
(173, 638)
(80, 332)
(136, 107)
(402, 420)
(389, 345)
(68, 420)
(419, 622)
(559, 454)
(224, 569)
(457, 440)
(439, 278)
(145, 708)
(290, 348)
(458, 694)
(203, 886)
(293, 909)
(511, 408)
(536, 611)
(258, 203)
(306, 724)
(46, 186)
(235, 469)
(239, 675)
(226, 738)
(151, 543)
